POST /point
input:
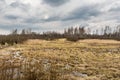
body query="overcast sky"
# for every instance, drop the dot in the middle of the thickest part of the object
(42, 15)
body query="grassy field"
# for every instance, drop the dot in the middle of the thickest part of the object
(61, 60)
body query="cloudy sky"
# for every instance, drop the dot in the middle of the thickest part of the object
(45, 15)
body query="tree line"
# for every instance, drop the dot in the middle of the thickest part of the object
(71, 34)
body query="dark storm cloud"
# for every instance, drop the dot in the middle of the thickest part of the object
(16, 4)
(11, 17)
(2, 0)
(34, 20)
(83, 13)
(117, 9)
(19, 5)
(55, 3)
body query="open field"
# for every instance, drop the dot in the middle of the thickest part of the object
(61, 60)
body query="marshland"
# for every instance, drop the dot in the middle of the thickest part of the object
(59, 39)
(61, 59)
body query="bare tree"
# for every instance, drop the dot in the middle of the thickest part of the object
(14, 32)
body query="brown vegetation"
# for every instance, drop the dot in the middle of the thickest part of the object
(71, 34)
(61, 60)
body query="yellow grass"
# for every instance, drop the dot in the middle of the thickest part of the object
(98, 59)
(100, 41)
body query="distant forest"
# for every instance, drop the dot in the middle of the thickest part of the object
(71, 34)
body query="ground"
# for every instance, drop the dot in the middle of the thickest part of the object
(64, 60)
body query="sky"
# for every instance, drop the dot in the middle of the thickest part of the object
(56, 15)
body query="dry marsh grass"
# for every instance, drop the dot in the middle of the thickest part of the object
(61, 60)
(100, 41)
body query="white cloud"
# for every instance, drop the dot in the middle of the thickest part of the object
(36, 12)
(4, 31)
